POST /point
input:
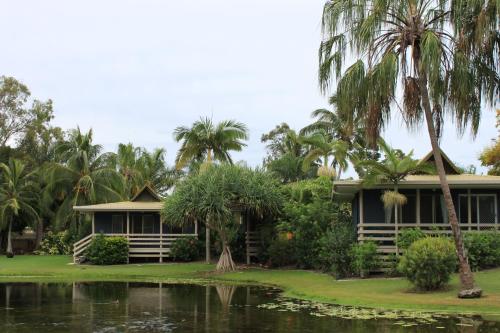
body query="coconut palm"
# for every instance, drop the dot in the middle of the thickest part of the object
(83, 177)
(322, 146)
(18, 197)
(206, 142)
(154, 171)
(216, 195)
(394, 168)
(126, 162)
(443, 56)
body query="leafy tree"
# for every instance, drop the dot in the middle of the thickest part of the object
(322, 146)
(393, 169)
(285, 154)
(216, 195)
(18, 197)
(15, 116)
(490, 156)
(205, 141)
(443, 53)
(83, 177)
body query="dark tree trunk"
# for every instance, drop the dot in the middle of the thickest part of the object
(39, 234)
(466, 277)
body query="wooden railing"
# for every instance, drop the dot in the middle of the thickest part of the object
(385, 234)
(140, 245)
(252, 241)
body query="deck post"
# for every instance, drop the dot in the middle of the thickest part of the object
(469, 209)
(418, 208)
(361, 215)
(93, 223)
(196, 228)
(247, 239)
(128, 235)
(161, 241)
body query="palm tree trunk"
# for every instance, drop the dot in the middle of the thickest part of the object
(466, 277)
(10, 253)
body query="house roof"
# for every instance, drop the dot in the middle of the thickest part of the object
(425, 181)
(146, 200)
(122, 206)
(449, 166)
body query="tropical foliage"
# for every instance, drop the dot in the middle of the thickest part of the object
(217, 197)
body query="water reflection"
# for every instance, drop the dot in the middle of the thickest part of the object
(149, 307)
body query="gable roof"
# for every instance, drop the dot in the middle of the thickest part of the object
(146, 200)
(146, 190)
(449, 167)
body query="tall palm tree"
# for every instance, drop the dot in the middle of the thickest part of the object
(443, 53)
(18, 197)
(394, 168)
(323, 146)
(126, 161)
(155, 172)
(205, 141)
(84, 176)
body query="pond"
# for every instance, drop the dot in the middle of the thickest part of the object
(153, 307)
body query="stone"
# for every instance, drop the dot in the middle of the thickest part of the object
(470, 293)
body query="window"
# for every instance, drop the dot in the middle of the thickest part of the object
(117, 224)
(483, 208)
(148, 224)
(144, 224)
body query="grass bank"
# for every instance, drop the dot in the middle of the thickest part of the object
(393, 293)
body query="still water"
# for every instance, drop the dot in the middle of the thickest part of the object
(151, 307)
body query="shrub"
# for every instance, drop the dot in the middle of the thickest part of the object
(408, 237)
(365, 258)
(429, 262)
(185, 249)
(281, 253)
(335, 251)
(483, 249)
(55, 244)
(107, 250)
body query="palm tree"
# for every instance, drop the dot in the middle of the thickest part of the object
(323, 147)
(394, 168)
(443, 53)
(83, 177)
(18, 197)
(126, 161)
(205, 141)
(155, 172)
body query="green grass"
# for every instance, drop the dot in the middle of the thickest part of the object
(390, 293)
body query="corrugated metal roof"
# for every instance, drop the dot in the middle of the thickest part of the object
(121, 206)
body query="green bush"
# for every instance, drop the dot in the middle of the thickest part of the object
(185, 249)
(365, 258)
(429, 262)
(335, 251)
(483, 249)
(281, 253)
(107, 250)
(408, 237)
(55, 244)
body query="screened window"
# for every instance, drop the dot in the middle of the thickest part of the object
(483, 208)
(117, 224)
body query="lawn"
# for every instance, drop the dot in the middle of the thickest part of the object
(385, 293)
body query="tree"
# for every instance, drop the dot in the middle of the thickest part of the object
(443, 53)
(490, 156)
(83, 176)
(155, 172)
(15, 116)
(217, 195)
(205, 141)
(323, 147)
(394, 168)
(18, 197)
(285, 154)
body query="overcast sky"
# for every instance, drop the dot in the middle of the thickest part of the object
(134, 70)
